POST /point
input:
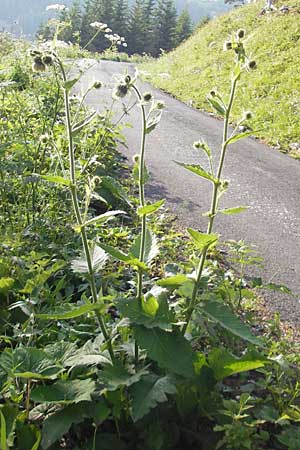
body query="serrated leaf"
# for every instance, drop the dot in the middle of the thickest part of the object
(99, 258)
(173, 282)
(120, 256)
(102, 218)
(148, 393)
(109, 184)
(224, 364)
(153, 121)
(132, 309)
(80, 125)
(88, 355)
(150, 305)
(70, 83)
(151, 247)
(198, 170)
(72, 313)
(150, 209)
(217, 105)
(40, 279)
(170, 350)
(64, 391)
(223, 315)
(56, 179)
(115, 376)
(236, 210)
(29, 363)
(239, 136)
(202, 240)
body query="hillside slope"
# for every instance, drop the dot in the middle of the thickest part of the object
(271, 92)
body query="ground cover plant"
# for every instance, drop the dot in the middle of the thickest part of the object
(271, 93)
(112, 337)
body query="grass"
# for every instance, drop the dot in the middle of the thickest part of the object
(271, 93)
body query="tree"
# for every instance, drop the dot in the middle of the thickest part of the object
(165, 30)
(73, 19)
(184, 27)
(120, 20)
(149, 27)
(136, 31)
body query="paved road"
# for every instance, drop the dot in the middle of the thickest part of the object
(265, 180)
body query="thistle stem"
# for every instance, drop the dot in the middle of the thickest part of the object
(214, 205)
(75, 202)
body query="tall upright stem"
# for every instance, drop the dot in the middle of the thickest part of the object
(214, 205)
(75, 202)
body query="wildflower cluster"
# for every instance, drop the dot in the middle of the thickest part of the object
(236, 44)
(114, 38)
(56, 7)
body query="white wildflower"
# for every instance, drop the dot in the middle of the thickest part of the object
(56, 7)
(99, 26)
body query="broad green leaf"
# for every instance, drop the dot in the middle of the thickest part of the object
(70, 83)
(222, 314)
(151, 247)
(150, 209)
(217, 105)
(128, 259)
(173, 282)
(202, 240)
(149, 392)
(80, 125)
(64, 391)
(3, 431)
(88, 355)
(111, 188)
(98, 256)
(170, 350)
(99, 219)
(278, 287)
(56, 425)
(150, 305)
(40, 279)
(72, 313)
(10, 414)
(133, 309)
(56, 179)
(115, 376)
(6, 284)
(198, 170)
(239, 136)
(224, 364)
(29, 363)
(236, 210)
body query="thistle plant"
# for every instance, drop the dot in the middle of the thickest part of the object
(203, 241)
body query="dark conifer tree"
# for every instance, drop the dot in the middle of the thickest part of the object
(184, 27)
(165, 29)
(121, 17)
(149, 27)
(136, 28)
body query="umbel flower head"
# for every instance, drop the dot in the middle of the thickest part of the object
(56, 7)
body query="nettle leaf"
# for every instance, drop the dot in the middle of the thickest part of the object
(88, 355)
(151, 247)
(224, 364)
(198, 170)
(72, 313)
(129, 259)
(64, 391)
(99, 258)
(29, 363)
(102, 218)
(236, 210)
(149, 392)
(56, 425)
(202, 240)
(70, 83)
(55, 179)
(115, 376)
(41, 278)
(150, 209)
(222, 314)
(138, 314)
(170, 350)
(114, 188)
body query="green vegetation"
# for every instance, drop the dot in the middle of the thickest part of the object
(115, 331)
(147, 27)
(271, 93)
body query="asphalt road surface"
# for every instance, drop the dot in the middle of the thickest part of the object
(261, 178)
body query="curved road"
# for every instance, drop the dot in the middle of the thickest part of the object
(261, 178)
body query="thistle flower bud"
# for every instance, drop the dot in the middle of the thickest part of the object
(121, 90)
(128, 79)
(247, 115)
(97, 85)
(44, 138)
(147, 97)
(240, 33)
(252, 65)
(160, 105)
(34, 53)
(47, 60)
(198, 145)
(212, 93)
(135, 158)
(227, 46)
(38, 65)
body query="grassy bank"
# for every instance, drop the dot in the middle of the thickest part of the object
(272, 93)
